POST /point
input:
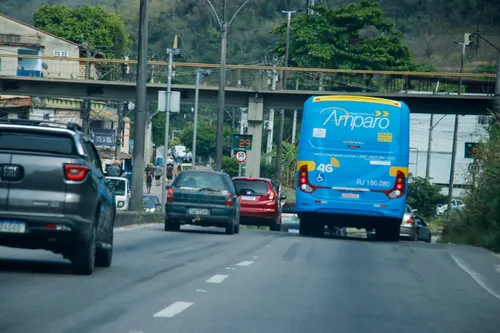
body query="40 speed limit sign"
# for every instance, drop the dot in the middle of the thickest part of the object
(241, 156)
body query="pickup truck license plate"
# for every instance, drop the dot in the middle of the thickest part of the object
(198, 211)
(12, 227)
(350, 195)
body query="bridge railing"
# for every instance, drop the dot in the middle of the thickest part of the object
(257, 77)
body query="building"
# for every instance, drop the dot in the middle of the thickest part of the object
(23, 42)
(104, 119)
(470, 129)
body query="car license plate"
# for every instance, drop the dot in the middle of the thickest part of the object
(350, 195)
(198, 211)
(248, 198)
(13, 227)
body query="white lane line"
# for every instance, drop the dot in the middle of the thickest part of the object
(245, 263)
(201, 291)
(173, 309)
(497, 268)
(476, 276)
(217, 278)
(255, 257)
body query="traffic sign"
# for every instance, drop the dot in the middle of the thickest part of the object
(242, 142)
(474, 168)
(241, 156)
(471, 150)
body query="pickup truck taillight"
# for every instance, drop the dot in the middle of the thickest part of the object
(75, 172)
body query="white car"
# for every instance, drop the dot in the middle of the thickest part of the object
(121, 188)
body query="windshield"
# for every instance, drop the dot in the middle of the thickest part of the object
(200, 180)
(148, 201)
(251, 187)
(117, 185)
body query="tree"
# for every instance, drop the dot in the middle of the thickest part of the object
(92, 24)
(356, 36)
(205, 138)
(230, 165)
(424, 196)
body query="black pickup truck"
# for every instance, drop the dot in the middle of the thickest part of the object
(53, 193)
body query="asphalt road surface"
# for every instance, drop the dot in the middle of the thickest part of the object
(202, 280)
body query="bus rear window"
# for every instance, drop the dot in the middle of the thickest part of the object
(37, 141)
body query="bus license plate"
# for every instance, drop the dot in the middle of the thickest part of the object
(350, 195)
(12, 227)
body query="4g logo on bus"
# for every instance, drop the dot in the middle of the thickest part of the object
(323, 167)
(341, 117)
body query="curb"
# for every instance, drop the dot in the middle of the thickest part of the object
(125, 218)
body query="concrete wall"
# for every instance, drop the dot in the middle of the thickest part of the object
(16, 37)
(123, 219)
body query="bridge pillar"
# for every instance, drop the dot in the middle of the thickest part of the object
(255, 119)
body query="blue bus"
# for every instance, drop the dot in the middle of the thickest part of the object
(352, 164)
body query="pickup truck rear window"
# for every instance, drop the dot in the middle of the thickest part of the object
(38, 142)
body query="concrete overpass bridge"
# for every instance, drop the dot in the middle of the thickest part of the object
(248, 87)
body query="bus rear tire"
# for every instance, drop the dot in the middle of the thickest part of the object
(304, 226)
(389, 232)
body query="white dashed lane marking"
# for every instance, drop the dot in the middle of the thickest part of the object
(245, 263)
(217, 278)
(173, 309)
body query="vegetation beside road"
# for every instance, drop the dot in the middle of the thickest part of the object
(479, 223)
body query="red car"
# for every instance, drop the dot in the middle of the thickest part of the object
(260, 202)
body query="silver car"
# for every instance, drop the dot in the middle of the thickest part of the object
(408, 227)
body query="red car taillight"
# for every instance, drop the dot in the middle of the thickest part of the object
(170, 195)
(229, 199)
(303, 180)
(75, 172)
(399, 189)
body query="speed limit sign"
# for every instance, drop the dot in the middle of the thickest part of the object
(241, 156)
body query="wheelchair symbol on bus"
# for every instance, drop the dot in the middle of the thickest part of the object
(319, 178)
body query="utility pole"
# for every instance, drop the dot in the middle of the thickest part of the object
(496, 97)
(294, 124)
(270, 122)
(310, 3)
(455, 128)
(287, 45)
(141, 110)
(429, 144)
(171, 53)
(86, 105)
(242, 130)
(195, 118)
(119, 129)
(224, 26)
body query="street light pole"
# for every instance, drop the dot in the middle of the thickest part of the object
(195, 118)
(141, 110)
(455, 129)
(287, 45)
(279, 145)
(224, 26)
(171, 52)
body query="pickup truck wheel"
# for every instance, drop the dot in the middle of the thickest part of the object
(83, 256)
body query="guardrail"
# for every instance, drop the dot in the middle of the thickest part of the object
(258, 77)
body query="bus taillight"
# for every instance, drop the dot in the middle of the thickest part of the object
(303, 180)
(399, 189)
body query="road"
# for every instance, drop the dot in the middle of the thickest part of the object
(201, 280)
